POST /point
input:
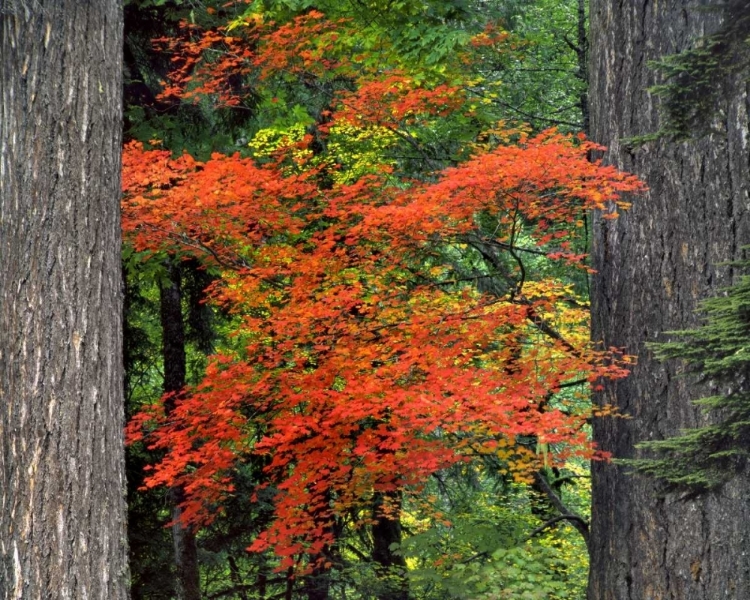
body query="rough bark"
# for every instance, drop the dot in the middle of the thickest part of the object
(175, 372)
(62, 504)
(654, 264)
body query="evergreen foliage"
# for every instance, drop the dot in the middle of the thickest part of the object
(717, 352)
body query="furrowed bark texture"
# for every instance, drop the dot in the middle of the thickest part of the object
(654, 264)
(62, 504)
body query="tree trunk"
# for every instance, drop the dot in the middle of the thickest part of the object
(175, 370)
(317, 584)
(386, 532)
(654, 264)
(62, 492)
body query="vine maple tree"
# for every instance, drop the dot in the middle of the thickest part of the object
(367, 357)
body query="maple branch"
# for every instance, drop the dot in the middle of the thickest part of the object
(231, 264)
(360, 555)
(576, 520)
(247, 587)
(540, 70)
(519, 248)
(573, 46)
(507, 246)
(478, 243)
(537, 117)
(184, 240)
(575, 383)
(443, 487)
(536, 319)
(547, 329)
(519, 262)
(568, 478)
(478, 555)
(430, 161)
(552, 521)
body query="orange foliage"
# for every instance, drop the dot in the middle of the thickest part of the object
(367, 364)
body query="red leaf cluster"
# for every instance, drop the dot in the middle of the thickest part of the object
(367, 364)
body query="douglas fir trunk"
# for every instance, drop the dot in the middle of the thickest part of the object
(62, 504)
(654, 264)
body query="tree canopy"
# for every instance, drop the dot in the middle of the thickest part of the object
(396, 265)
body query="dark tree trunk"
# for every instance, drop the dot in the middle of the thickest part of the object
(62, 486)
(386, 531)
(654, 264)
(175, 369)
(317, 584)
